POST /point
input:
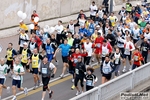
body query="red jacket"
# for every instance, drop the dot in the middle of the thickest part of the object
(38, 41)
(137, 58)
(74, 57)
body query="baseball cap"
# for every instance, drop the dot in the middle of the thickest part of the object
(25, 43)
(79, 57)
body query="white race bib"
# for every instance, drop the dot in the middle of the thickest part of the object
(44, 70)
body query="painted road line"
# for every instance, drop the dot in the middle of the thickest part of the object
(50, 85)
(30, 89)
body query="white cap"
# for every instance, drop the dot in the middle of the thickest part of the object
(21, 21)
(97, 26)
(138, 3)
(25, 43)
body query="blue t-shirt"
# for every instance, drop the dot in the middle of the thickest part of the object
(65, 49)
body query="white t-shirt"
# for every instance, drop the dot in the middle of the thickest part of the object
(82, 22)
(136, 33)
(88, 48)
(3, 70)
(147, 35)
(23, 37)
(17, 69)
(100, 13)
(93, 8)
(59, 28)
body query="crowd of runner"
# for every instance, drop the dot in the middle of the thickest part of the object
(102, 38)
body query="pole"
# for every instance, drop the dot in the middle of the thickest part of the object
(111, 6)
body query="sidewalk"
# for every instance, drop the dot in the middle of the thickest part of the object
(13, 31)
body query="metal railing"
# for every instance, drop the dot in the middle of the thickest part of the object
(122, 83)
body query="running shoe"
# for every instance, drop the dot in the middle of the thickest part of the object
(78, 92)
(50, 94)
(124, 70)
(72, 80)
(25, 91)
(34, 87)
(14, 98)
(72, 88)
(8, 89)
(130, 69)
(62, 76)
(39, 82)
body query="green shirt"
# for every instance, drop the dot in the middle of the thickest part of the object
(70, 41)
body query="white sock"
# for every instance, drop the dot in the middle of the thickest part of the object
(14, 97)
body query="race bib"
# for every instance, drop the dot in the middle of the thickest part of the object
(98, 45)
(136, 58)
(89, 83)
(77, 71)
(127, 52)
(107, 70)
(75, 60)
(91, 30)
(34, 62)
(44, 70)
(144, 48)
(117, 61)
(76, 45)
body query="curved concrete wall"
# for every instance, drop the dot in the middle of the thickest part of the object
(46, 9)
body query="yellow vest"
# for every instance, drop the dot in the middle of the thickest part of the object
(24, 58)
(9, 54)
(35, 61)
(113, 21)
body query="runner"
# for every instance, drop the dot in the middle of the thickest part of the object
(117, 58)
(98, 43)
(48, 49)
(25, 55)
(59, 28)
(93, 10)
(23, 37)
(18, 72)
(35, 59)
(10, 55)
(23, 26)
(74, 60)
(88, 47)
(47, 70)
(137, 58)
(90, 78)
(80, 71)
(106, 49)
(145, 47)
(3, 74)
(107, 68)
(129, 47)
(32, 45)
(65, 53)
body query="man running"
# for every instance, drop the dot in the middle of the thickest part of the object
(18, 72)
(80, 72)
(48, 70)
(3, 73)
(35, 59)
(11, 53)
(129, 47)
(25, 55)
(65, 53)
